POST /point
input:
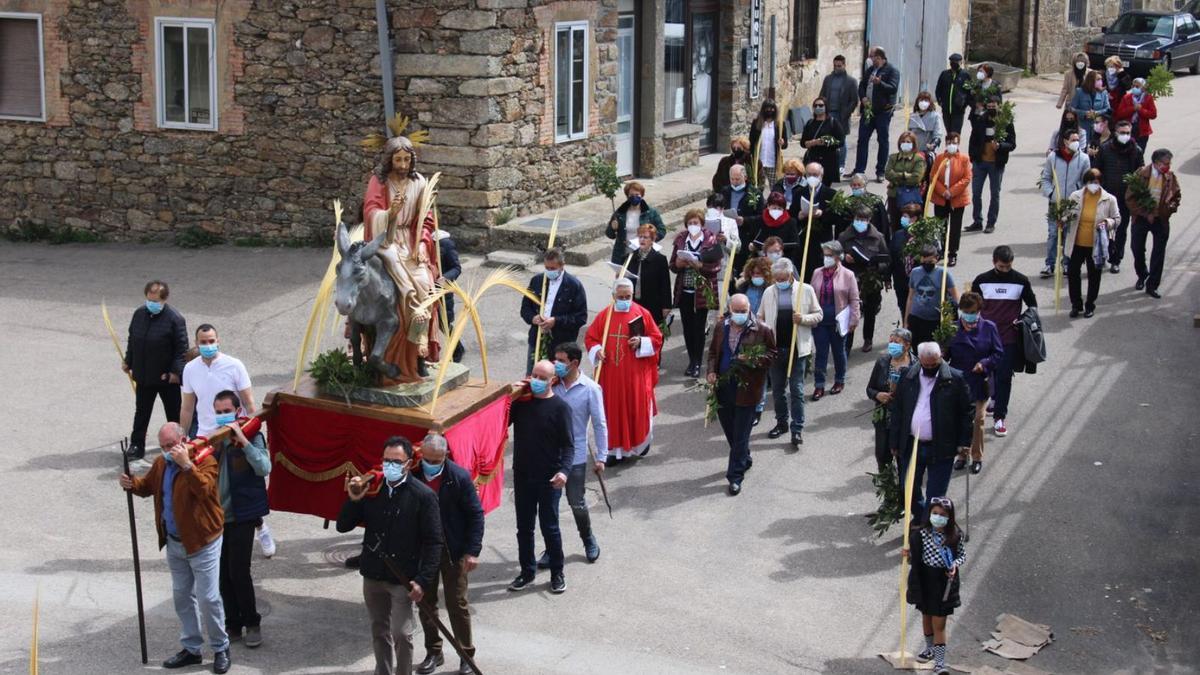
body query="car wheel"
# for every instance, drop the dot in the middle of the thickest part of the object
(1194, 69)
(1167, 63)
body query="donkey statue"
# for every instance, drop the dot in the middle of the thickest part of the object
(367, 295)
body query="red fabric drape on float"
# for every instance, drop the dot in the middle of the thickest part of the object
(312, 451)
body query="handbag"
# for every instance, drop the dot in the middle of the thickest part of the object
(906, 195)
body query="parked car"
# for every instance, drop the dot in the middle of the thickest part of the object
(1143, 40)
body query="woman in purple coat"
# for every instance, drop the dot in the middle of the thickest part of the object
(974, 350)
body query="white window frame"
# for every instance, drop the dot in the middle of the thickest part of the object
(41, 64)
(571, 27)
(161, 22)
(1083, 19)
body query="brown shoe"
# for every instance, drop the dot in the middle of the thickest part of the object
(837, 389)
(818, 393)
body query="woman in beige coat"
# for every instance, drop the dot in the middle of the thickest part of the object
(1072, 78)
(1086, 238)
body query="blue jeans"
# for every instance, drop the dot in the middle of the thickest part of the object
(878, 125)
(737, 422)
(994, 175)
(938, 473)
(1052, 243)
(825, 340)
(536, 501)
(196, 587)
(789, 398)
(1002, 375)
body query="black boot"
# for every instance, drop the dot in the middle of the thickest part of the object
(421, 369)
(591, 549)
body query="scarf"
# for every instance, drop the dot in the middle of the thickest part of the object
(1066, 154)
(773, 222)
(1138, 100)
(827, 285)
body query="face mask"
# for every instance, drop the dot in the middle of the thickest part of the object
(1080, 65)
(1123, 138)
(758, 281)
(895, 349)
(209, 351)
(623, 305)
(738, 188)
(1112, 71)
(830, 261)
(783, 285)
(930, 372)
(905, 221)
(860, 226)
(858, 192)
(969, 317)
(1073, 146)
(393, 472)
(538, 387)
(775, 212)
(927, 266)
(1093, 187)
(167, 456)
(694, 230)
(813, 181)
(1099, 127)
(153, 307)
(952, 148)
(981, 76)
(740, 318)
(774, 255)
(1136, 91)
(923, 105)
(226, 418)
(712, 214)
(818, 109)
(906, 147)
(431, 470)
(791, 180)
(553, 274)
(938, 520)
(635, 200)
(560, 369)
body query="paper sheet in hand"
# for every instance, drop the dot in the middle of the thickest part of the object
(713, 225)
(684, 254)
(843, 321)
(805, 205)
(731, 213)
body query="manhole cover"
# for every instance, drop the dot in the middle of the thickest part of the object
(338, 553)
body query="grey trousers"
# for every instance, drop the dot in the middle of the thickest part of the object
(391, 613)
(576, 485)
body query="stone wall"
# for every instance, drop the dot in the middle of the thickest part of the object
(996, 32)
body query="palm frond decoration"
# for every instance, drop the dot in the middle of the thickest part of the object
(323, 303)
(428, 199)
(397, 125)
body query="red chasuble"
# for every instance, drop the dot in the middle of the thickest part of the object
(627, 381)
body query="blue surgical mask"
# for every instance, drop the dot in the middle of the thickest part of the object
(938, 520)
(538, 387)
(783, 285)
(738, 188)
(740, 318)
(858, 192)
(1136, 91)
(860, 226)
(635, 199)
(552, 275)
(560, 369)
(623, 305)
(969, 317)
(431, 470)
(209, 351)
(757, 281)
(393, 472)
(774, 255)
(226, 418)
(905, 221)
(167, 456)
(895, 349)
(153, 307)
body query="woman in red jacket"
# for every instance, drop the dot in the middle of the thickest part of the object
(1138, 108)
(951, 183)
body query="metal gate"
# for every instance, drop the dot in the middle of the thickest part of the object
(915, 34)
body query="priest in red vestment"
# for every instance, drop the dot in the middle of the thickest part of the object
(630, 370)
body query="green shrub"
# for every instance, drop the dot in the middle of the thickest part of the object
(197, 237)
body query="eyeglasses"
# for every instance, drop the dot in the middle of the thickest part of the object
(393, 462)
(941, 501)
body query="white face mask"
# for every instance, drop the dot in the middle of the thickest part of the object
(906, 147)
(1073, 146)
(981, 76)
(1123, 138)
(1093, 187)
(830, 261)
(923, 105)
(952, 148)
(1080, 65)
(694, 230)
(813, 181)
(775, 212)
(1112, 71)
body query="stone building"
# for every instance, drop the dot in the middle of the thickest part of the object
(1042, 35)
(140, 118)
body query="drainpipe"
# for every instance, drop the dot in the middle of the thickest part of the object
(385, 63)
(1037, 21)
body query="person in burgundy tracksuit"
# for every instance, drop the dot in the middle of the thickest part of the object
(1006, 293)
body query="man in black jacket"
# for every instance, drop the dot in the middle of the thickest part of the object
(989, 150)
(877, 94)
(1118, 157)
(462, 527)
(934, 404)
(154, 357)
(814, 191)
(451, 270)
(402, 524)
(565, 311)
(840, 91)
(951, 93)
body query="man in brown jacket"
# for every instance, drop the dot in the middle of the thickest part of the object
(1164, 188)
(190, 521)
(738, 357)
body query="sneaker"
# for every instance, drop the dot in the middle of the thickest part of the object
(1114, 268)
(960, 464)
(1047, 272)
(848, 174)
(991, 407)
(779, 429)
(520, 583)
(591, 549)
(953, 260)
(878, 178)
(974, 227)
(943, 670)
(925, 656)
(253, 636)
(991, 227)
(558, 582)
(266, 541)
(1000, 429)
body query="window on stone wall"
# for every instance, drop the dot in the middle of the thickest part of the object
(1077, 13)
(675, 85)
(804, 30)
(186, 73)
(22, 93)
(570, 80)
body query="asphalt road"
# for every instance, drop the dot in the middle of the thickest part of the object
(1085, 517)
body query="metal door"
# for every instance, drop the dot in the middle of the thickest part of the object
(625, 94)
(918, 48)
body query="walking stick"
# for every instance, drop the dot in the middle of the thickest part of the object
(137, 562)
(432, 616)
(608, 322)
(603, 487)
(812, 205)
(537, 343)
(967, 536)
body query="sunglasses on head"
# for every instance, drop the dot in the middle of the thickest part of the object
(941, 501)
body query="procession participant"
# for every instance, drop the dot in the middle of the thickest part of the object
(902, 264)
(739, 153)
(245, 462)
(974, 351)
(788, 305)
(1156, 223)
(738, 376)
(864, 197)
(877, 93)
(951, 190)
(628, 370)
(840, 91)
(989, 148)
(837, 291)
(586, 403)
(543, 447)
(881, 389)
(652, 280)
(154, 359)
(403, 534)
(768, 140)
(451, 270)
(1118, 158)
(753, 284)
(905, 174)
(774, 221)
(793, 177)
(923, 312)
(866, 255)
(941, 551)
(1004, 291)
(823, 138)
(565, 310)
(188, 517)
(952, 91)
(462, 529)
(933, 405)
(1086, 239)
(629, 216)
(1062, 175)
(407, 251)
(814, 194)
(747, 203)
(696, 258)
(1137, 107)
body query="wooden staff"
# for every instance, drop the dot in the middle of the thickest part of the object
(437, 247)
(137, 563)
(608, 322)
(909, 478)
(812, 206)
(537, 343)
(1058, 251)
(432, 616)
(116, 343)
(723, 292)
